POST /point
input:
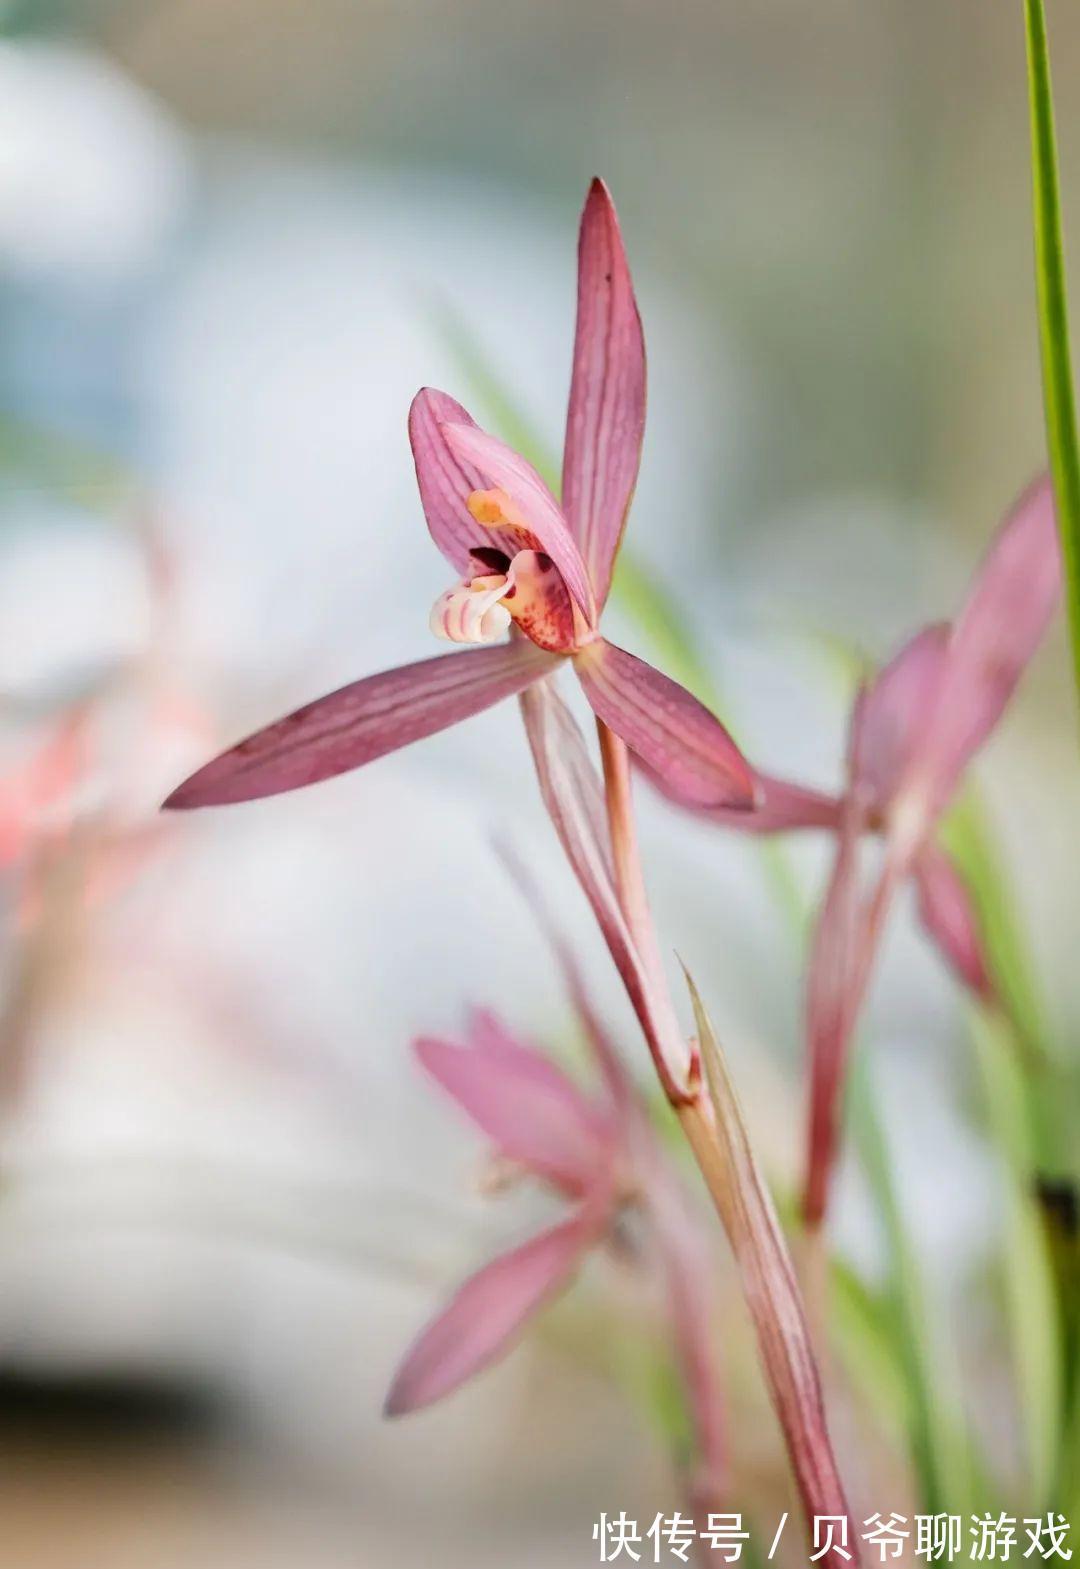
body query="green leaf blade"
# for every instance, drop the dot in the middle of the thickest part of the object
(1059, 399)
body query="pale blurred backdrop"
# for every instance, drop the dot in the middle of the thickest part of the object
(235, 237)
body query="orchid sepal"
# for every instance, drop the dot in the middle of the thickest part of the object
(676, 736)
(364, 721)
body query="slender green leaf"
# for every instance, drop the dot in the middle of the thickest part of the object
(1058, 397)
(968, 834)
(940, 1447)
(1046, 1078)
(490, 393)
(1029, 1283)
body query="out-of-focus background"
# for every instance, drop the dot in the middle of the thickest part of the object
(235, 237)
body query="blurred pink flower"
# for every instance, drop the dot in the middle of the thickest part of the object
(599, 1153)
(913, 732)
(525, 565)
(73, 835)
(538, 1119)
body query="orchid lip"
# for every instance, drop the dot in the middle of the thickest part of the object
(528, 590)
(472, 611)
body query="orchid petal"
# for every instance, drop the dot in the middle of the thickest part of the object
(839, 966)
(892, 715)
(605, 421)
(486, 1314)
(780, 807)
(995, 637)
(675, 735)
(528, 1109)
(364, 721)
(772, 1293)
(530, 498)
(948, 914)
(446, 483)
(574, 798)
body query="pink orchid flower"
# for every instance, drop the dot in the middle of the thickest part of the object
(525, 565)
(914, 730)
(598, 1152)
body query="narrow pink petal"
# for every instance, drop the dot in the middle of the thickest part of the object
(504, 469)
(446, 483)
(893, 714)
(487, 1030)
(605, 421)
(573, 795)
(486, 1315)
(780, 807)
(361, 722)
(996, 635)
(948, 914)
(528, 1109)
(841, 954)
(771, 1290)
(673, 734)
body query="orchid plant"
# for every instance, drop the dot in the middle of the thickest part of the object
(541, 572)
(533, 571)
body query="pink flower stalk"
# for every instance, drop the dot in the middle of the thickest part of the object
(914, 730)
(524, 565)
(598, 1152)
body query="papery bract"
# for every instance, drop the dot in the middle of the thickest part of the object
(718, 1132)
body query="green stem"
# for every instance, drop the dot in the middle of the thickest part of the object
(1058, 397)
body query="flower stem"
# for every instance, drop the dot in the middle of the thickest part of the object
(629, 878)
